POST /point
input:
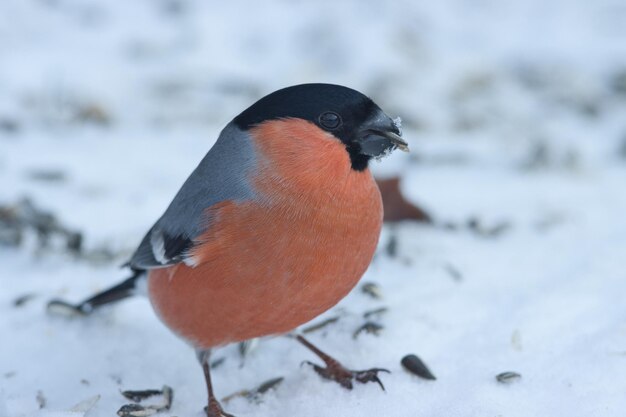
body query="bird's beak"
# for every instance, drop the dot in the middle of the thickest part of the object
(381, 136)
(394, 139)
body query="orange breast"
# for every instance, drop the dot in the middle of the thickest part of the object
(269, 265)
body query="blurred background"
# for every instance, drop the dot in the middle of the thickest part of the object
(515, 112)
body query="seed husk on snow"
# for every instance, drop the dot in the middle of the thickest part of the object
(476, 225)
(248, 346)
(23, 299)
(217, 362)
(507, 377)
(375, 312)
(64, 309)
(372, 289)
(269, 384)
(137, 410)
(368, 327)
(318, 326)
(255, 394)
(414, 365)
(140, 395)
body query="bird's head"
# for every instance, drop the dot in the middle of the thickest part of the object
(351, 117)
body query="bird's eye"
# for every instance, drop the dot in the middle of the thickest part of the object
(330, 120)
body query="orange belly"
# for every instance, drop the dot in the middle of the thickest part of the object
(265, 267)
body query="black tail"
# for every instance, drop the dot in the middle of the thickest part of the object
(116, 293)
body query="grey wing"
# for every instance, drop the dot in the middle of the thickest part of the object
(221, 175)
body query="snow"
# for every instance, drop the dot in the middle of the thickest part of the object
(513, 119)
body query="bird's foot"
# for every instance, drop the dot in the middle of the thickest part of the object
(335, 371)
(344, 377)
(214, 409)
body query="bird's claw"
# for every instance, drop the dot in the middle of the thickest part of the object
(344, 377)
(370, 375)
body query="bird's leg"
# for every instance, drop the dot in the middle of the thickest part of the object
(213, 409)
(116, 293)
(337, 372)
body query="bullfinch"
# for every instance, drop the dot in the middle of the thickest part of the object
(278, 222)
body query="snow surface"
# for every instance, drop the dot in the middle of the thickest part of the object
(515, 120)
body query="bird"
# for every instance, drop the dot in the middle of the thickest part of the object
(276, 225)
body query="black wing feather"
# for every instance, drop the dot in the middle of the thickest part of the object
(151, 256)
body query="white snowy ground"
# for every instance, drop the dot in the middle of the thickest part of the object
(515, 117)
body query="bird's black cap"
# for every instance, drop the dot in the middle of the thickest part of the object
(342, 111)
